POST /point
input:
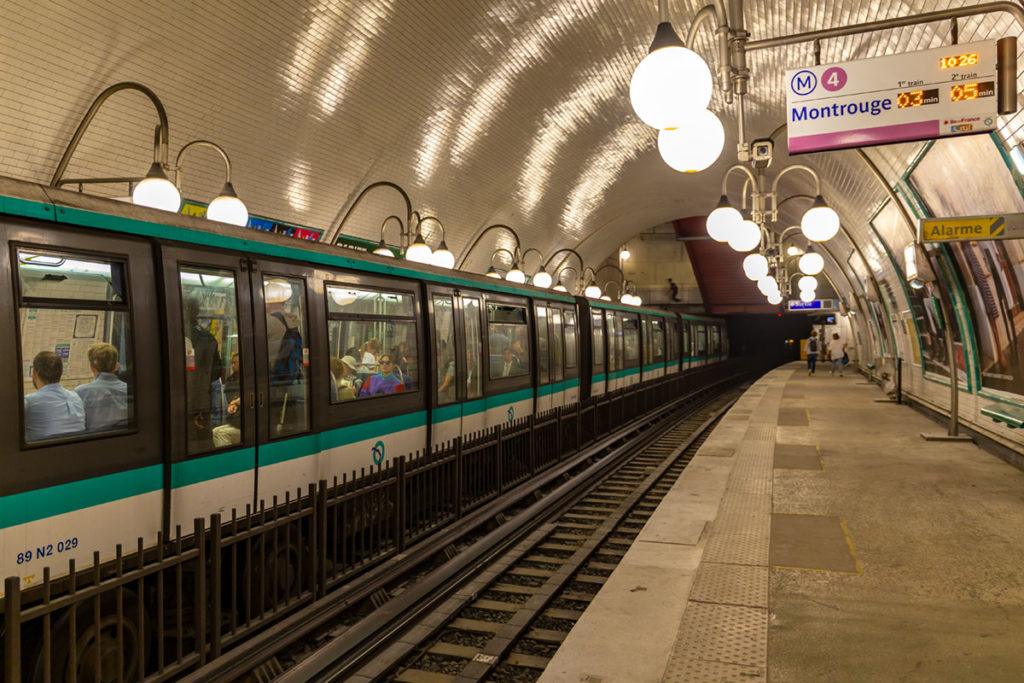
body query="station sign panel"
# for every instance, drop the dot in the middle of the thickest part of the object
(929, 94)
(813, 305)
(965, 228)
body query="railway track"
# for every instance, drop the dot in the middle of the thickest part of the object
(503, 616)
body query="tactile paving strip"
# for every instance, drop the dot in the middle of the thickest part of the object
(723, 635)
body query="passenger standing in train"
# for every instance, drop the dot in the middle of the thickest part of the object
(510, 365)
(836, 349)
(285, 354)
(387, 381)
(204, 366)
(105, 397)
(368, 352)
(813, 348)
(52, 410)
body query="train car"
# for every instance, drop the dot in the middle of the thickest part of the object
(160, 368)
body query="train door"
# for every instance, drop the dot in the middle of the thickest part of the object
(557, 358)
(656, 364)
(448, 343)
(211, 356)
(687, 352)
(599, 369)
(671, 346)
(631, 348)
(544, 387)
(700, 351)
(284, 353)
(470, 312)
(509, 393)
(613, 330)
(646, 372)
(571, 393)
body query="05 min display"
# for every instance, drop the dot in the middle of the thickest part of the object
(971, 91)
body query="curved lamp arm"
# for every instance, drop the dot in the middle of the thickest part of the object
(618, 286)
(728, 172)
(522, 257)
(201, 143)
(480, 236)
(420, 221)
(723, 34)
(610, 265)
(392, 217)
(561, 251)
(775, 186)
(366, 190)
(511, 256)
(159, 143)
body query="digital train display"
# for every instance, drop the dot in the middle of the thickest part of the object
(964, 92)
(917, 98)
(953, 61)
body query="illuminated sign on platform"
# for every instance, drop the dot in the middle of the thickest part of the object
(197, 210)
(797, 305)
(965, 228)
(911, 96)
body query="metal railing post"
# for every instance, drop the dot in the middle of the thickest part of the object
(320, 512)
(199, 607)
(400, 503)
(458, 477)
(215, 584)
(12, 628)
(498, 462)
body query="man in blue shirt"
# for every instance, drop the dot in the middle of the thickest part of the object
(53, 410)
(105, 397)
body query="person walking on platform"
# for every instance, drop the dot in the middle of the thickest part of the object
(836, 349)
(813, 348)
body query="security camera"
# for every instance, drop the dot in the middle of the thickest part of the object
(761, 152)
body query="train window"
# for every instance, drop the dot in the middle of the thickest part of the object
(556, 345)
(672, 340)
(287, 355)
(598, 340)
(646, 341)
(702, 340)
(570, 339)
(210, 316)
(75, 345)
(375, 332)
(508, 341)
(658, 341)
(613, 360)
(715, 340)
(630, 340)
(474, 347)
(543, 362)
(687, 342)
(444, 349)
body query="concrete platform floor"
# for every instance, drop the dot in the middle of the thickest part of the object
(909, 554)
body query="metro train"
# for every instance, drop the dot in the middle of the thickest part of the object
(238, 365)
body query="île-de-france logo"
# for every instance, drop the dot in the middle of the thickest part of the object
(378, 453)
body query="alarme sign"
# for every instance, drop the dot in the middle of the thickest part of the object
(912, 96)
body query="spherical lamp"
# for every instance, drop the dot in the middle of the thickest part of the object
(694, 144)
(605, 297)
(807, 295)
(767, 285)
(560, 287)
(156, 191)
(669, 81)
(811, 263)
(383, 250)
(418, 251)
(516, 275)
(746, 237)
(723, 221)
(592, 291)
(775, 298)
(821, 222)
(491, 272)
(443, 257)
(541, 278)
(228, 208)
(807, 282)
(755, 266)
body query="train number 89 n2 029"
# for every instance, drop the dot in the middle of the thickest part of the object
(48, 550)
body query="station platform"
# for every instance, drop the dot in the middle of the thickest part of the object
(817, 537)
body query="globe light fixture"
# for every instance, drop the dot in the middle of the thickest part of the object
(228, 208)
(383, 250)
(443, 258)
(418, 251)
(767, 285)
(605, 297)
(156, 191)
(516, 275)
(541, 278)
(811, 263)
(775, 298)
(807, 295)
(723, 221)
(794, 250)
(821, 222)
(560, 287)
(624, 253)
(807, 282)
(694, 144)
(746, 237)
(491, 272)
(592, 291)
(755, 266)
(670, 80)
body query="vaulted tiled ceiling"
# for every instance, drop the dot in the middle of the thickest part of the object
(512, 111)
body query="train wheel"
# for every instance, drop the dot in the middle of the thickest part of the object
(94, 643)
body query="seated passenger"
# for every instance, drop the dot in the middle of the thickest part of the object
(510, 365)
(52, 410)
(105, 397)
(343, 372)
(387, 381)
(231, 432)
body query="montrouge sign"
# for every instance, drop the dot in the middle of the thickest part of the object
(911, 96)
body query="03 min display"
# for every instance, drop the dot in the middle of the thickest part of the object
(972, 91)
(969, 59)
(917, 98)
